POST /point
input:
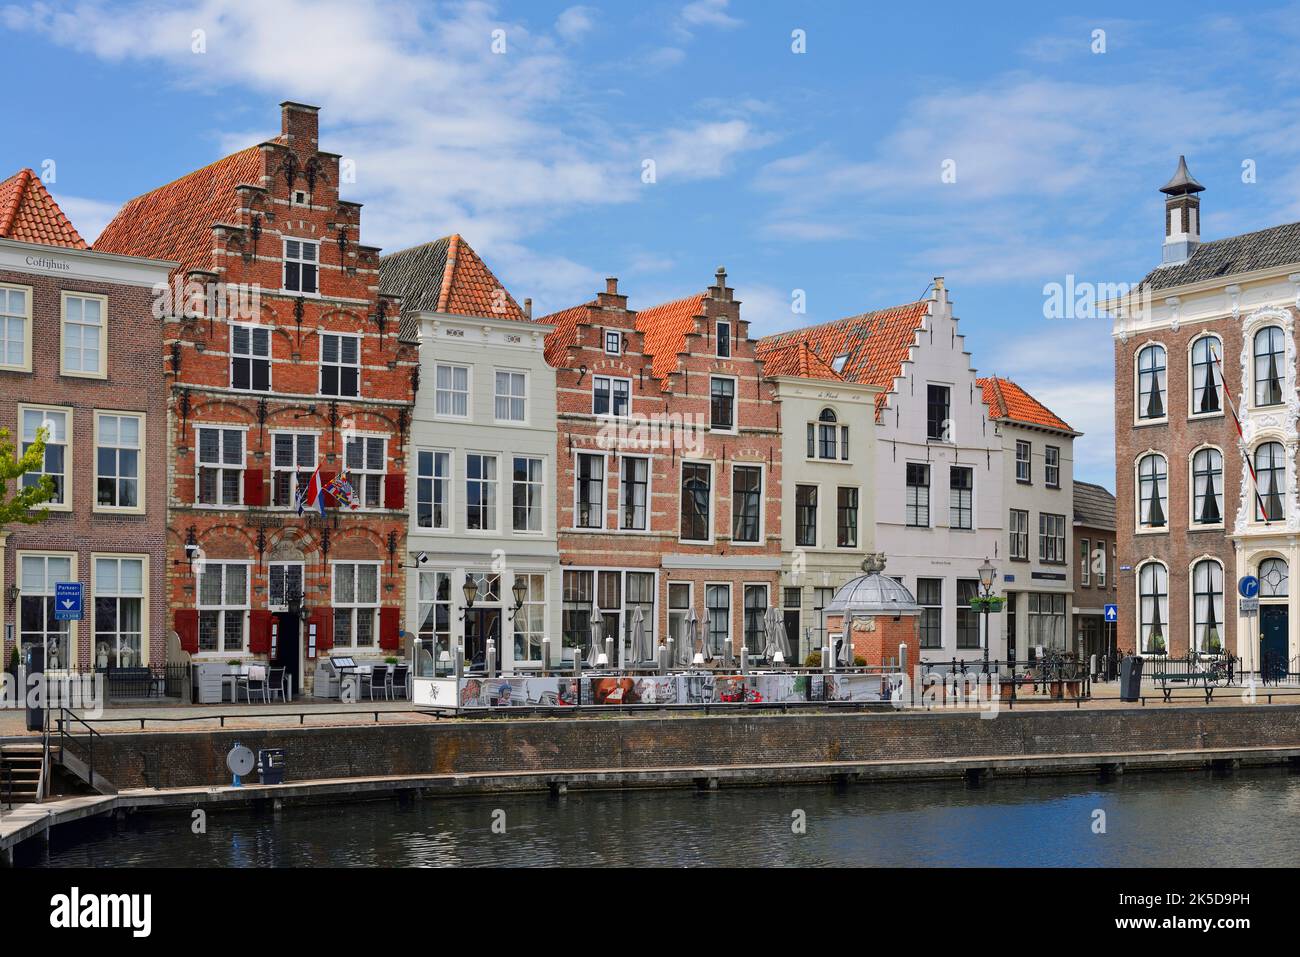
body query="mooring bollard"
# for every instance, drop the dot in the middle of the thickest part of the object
(546, 657)
(491, 657)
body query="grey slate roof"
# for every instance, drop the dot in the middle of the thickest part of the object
(1266, 248)
(1094, 506)
(415, 274)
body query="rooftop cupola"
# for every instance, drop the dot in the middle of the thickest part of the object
(1182, 215)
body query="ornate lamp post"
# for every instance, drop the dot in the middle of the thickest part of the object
(987, 574)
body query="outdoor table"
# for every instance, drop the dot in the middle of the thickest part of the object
(234, 678)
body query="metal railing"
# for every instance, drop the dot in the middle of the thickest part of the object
(66, 718)
(1050, 678)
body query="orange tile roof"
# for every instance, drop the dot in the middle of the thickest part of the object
(798, 360)
(1007, 400)
(29, 214)
(565, 333)
(875, 343)
(175, 221)
(664, 329)
(470, 289)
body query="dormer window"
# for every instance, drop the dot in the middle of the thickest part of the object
(723, 336)
(613, 342)
(838, 363)
(301, 261)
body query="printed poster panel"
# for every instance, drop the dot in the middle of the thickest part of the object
(529, 692)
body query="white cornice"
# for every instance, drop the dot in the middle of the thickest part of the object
(82, 264)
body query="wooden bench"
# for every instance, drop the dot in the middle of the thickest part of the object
(1169, 678)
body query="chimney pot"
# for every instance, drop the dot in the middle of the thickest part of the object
(611, 285)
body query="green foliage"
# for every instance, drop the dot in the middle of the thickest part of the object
(814, 660)
(26, 505)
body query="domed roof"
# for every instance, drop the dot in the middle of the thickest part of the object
(872, 593)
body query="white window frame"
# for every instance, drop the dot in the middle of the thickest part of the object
(735, 404)
(102, 371)
(225, 609)
(762, 504)
(817, 516)
(509, 397)
(1085, 570)
(452, 392)
(609, 382)
(339, 365)
(297, 470)
(857, 522)
(1193, 385)
(718, 326)
(26, 320)
(356, 606)
(199, 465)
(93, 599)
(68, 423)
(283, 606)
(140, 469)
(494, 485)
(1138, 418)
(683, 613)
(359, 476)
(540, 485)
(744, 608)
(649, 479)
(251, 356)
(72, 626)
(1192, 523)
(971, 491)
(533, 635)
(713, 501)
(286, 259)
(1050, 467)
(604, 491)
(1023, 535)
(1027, 462)
(449, 484)
(617, 335)
(706, 624)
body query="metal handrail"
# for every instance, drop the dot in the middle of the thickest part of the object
(66, 717)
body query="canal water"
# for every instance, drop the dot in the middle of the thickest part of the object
(1182, 819)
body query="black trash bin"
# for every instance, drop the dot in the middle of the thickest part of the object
(1130, 678)
(270, 766)
(35, 692)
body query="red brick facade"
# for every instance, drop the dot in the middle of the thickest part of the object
(668, 358)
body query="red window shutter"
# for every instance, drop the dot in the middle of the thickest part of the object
(390, 621)
(323, 619)
(259, 631)
(325, 479)
(187, 629)
(395, 490)
(254, 486)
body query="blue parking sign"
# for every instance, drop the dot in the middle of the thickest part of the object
(69, 600)
(1112, 612)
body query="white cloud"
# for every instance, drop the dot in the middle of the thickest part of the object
(575, 22)
(709, 13)
(702, 151)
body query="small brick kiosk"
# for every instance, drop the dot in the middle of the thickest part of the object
(878, 614)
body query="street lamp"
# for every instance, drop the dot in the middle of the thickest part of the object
(987, 573)
(519, 590)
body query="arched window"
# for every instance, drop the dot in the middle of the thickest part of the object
(1207, 606)
(827, 439)
(1153, 491)
(1151, 382)
(1270, 477)
(1153, 608)
(1273, 578)
(1269, 358)
(1207, 382)
(1207, 487)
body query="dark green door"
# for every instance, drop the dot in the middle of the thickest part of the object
(1272, 641)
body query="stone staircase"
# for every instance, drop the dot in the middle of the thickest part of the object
(21, 765)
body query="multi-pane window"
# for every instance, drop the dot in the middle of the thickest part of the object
(119, 610)
(1024, 467)
(1207, 605)
(575, 614)
(1101, 564)
(1270, 473)
(590, 504)
(846, 518)
(1153, 491)
(792, 618)
(1270, 357)
(221, 466)
(117, 460)
(15, 318)
(613, 342)
(1018, 528)
(826, 439)
(250, 358)
(917, 507)
(938, 412)
(929, 595)
(84, 333)
(1152, 385)
(611, 396)
(1051, 538)
(301, 261)
(1052, 466)
(697, 494)
(365, 457)
(633, 493)
(1207, 487)
(746, 503)
(511, 396)
(293, 459)
(340, 364)
(961, 492)
(1274, 578)
(530, 620)
(805, 515)
(526, 494)
(723, 339)
(679, 610)
(717, 610)
(284, 583)
(1207, 379)
(968, 620)
(639, 589)
(433, 612)
(755, 623)
(433, 489)
(55, 424)
(722, 403)
(1047, 621)
(1153, 608)
(356, 604)
(38, 626)
(451, 391)
(1085, 562)
(480, 492)
(223, 607)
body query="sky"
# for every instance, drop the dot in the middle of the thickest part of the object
(834, 157)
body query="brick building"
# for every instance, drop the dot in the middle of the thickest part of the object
(293, 362)
(1209, 330)
(668, 470)
(1096, 570)
(81, 356)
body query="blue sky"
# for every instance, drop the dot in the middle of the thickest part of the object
(817, 171)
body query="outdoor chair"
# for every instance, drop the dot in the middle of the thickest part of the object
(399, 682)
(377, 679)
(255, 681)
(277, 683)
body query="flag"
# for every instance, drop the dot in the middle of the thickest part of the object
(311, 493)
(341, 490)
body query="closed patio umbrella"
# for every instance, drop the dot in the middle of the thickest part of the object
(643, 648)
(777, 638)
(686, 651)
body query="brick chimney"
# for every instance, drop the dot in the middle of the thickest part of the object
(300, 126)
(1182, 215)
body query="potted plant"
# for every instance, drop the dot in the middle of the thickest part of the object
(391, 660)
(1213, 645)
(1157, 643)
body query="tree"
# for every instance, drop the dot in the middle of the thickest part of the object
(26, 503)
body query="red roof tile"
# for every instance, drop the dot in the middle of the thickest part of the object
(470, 289)
(874, 344)
(664, 329)
(1006, 400)
(798, 360)
(175, 221)
(29, 214)
(565, 333)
